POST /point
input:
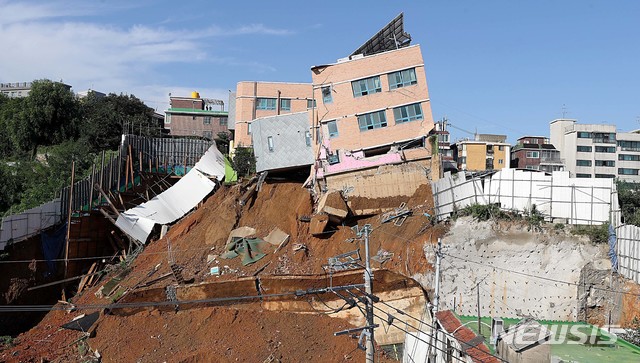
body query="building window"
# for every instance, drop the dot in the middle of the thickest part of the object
(332, 127)
(206, 120)
(311, 103)
(583, 175)
(285, 104)
(224, 121)
(407, 113)
(605, 149)
(500, 161)
(583, 162)
(248, 128)
(629, 145)
(366, 86)
(326, 94)
(530, 167)
(207, 134)
(442, 137)
(402, 78)
(167, 119)
(500, 147)
(307, 138)
(605, 176)
(604, 137)
(608, 163)
(584, 135)
(373, 120)
(270, 143)
(533, 154)
(627, 171)
(628, 157)
(584, 149)
(265, 104)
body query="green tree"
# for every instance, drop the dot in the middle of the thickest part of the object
(47, 116)
(244, 161)
(105, 119)
(629, 199)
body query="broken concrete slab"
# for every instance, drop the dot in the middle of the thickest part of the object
(241, 232)
(277, 237)
(334, 205)
(318, 224)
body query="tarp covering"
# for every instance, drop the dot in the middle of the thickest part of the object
(247, 248)
(52, 245)
(175, 202)
(613, 253)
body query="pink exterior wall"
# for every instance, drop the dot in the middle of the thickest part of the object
(246, 94)
(345, 106)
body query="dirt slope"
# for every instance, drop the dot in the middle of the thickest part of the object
(226, 334)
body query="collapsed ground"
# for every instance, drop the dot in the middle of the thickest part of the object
(237, 333)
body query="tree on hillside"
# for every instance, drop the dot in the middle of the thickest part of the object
(9, 107)
(106, 118)
(47, 116)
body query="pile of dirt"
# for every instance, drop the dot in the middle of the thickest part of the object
(226, 334)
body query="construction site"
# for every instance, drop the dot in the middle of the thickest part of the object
(350, 240)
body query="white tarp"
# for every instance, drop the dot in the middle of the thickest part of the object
(578, 200)
(29, 222)
(175, 202)
(628, 239)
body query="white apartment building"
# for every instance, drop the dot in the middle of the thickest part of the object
(597, 151)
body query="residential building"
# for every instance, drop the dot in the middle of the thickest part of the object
(253, 100)
(19, 89)
(371, 105)
(196, 116)
(83, 94)
(536, 153)
(484, 152)
(445, 150)
(282, 142)
(598, 151)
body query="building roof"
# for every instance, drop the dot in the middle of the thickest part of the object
(195, 111)
(524, 335)
(612, 349)
(472, 346)
(533, 147)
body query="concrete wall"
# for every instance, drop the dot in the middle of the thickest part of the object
(502, 258)
(291, 141)
(245, 103)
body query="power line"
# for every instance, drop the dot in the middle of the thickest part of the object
(297, 293)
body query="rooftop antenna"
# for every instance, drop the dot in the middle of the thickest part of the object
(564, 111)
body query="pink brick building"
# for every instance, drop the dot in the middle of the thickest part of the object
(261, 99)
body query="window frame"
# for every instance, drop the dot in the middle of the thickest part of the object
(331, 134)
(584, 149)
(284, 101)
(584, 162)
(327, 96)
(371, 85)
(397, 111)
(530, 154)
(264, 103)
(397, 79)
(206, 120)
(369, 121)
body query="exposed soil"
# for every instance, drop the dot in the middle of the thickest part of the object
(226, 334)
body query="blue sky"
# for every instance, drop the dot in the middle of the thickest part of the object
(492, 66)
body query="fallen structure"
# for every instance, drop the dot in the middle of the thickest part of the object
(176, 201)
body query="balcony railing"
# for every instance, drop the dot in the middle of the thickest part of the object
(551, 160)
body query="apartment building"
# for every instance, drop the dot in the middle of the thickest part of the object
(536, 153)
(484, 152)
(371, 105)
(597, 151)
(253, 100)
(196, 116)
(20, 89)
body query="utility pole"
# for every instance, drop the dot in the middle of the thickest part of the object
(434, 307)
(368, 286)
(478, 294)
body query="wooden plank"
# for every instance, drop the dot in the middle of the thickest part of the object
(86, 277)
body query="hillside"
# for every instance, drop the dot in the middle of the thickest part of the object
(239, 332)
